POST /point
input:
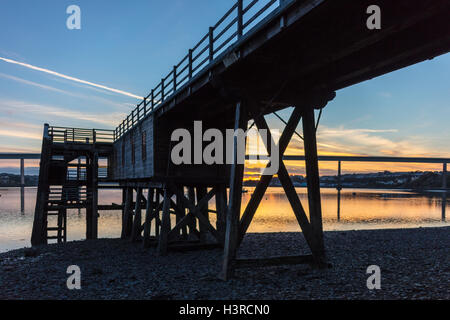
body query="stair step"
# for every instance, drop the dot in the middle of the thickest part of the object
(55, 238)
(54, 229)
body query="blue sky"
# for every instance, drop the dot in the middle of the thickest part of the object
(130, 45)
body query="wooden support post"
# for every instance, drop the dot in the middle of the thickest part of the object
(148, 217)
(128, 214)
(62, 225)
(221, 208)
(124, 199)
(444, 190)
(201, 192)
(234, 204)
(94, 229)
(339, 188)
(157, 213)
(137, 223)
(193, 223)
(181, 211)
(92, 189)
(22, 185)
(444, 176)
(313, 183)
(165, 224)
(39, 233)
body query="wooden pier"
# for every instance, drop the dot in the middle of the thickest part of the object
(272, 55)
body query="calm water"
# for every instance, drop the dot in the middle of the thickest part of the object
(360, 209)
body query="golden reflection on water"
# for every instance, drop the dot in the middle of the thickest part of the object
(360, 209)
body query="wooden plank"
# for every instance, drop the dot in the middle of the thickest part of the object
(313, 183)
(234, 205)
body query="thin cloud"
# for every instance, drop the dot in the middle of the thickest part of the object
(34, 84)
(29, 66)
(11, 107)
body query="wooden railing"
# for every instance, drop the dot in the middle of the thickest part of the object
(238, 20)
(78, 135)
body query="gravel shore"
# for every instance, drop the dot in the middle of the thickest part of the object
(415, 264)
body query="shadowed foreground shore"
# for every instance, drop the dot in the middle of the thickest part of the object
(415, 264)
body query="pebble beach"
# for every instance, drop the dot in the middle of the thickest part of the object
(414, 264)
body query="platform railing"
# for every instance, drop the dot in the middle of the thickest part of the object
(237, 22)
(78, 135)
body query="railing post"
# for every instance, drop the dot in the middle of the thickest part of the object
(145, 106)
(211, 44)
(94, 136)
(190, 64)
(174, 78)
(153, 99)
(162, 90)
(240, 17)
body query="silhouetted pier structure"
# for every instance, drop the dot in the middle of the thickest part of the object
(261, 57)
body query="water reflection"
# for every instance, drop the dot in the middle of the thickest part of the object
(360, 209)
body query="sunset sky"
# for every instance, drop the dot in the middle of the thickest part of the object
(91, 78)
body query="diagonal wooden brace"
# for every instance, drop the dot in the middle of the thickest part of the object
(264, 182)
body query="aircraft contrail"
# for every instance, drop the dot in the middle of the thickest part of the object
(29, 66)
